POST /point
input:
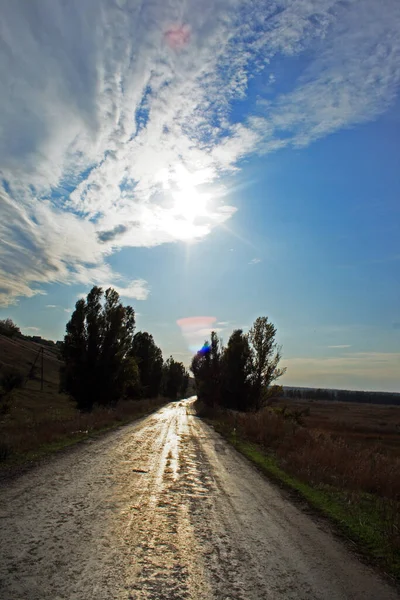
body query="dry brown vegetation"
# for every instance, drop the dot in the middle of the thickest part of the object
(351, 451)
(360, 425)
(32, 419)
(319, 456)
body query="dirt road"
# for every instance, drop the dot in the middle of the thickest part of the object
(164, 509)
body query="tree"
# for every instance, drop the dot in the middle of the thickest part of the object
(239, 376)
(175, 378)
(236, 373)
(150, 362)
(265, 358)
(185, 385)
(98, 367)
(9, 328)
(74, 375)
(206, 368)
(94, 335)
(118, 329)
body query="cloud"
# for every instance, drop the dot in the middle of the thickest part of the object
(67, 310)
(137, 289)
(51, 245)
(254, 261)
(341, 346)
(32, 329)
(359, 370)
(116, 117)
(111, 234)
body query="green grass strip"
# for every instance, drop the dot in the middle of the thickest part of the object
(360, 522)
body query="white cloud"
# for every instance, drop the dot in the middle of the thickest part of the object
(341, 346)
(51, 306)
(105, 117)
(254, 261)
(137, 289)
(31, 329)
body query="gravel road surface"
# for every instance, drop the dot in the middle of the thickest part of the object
(165, 509)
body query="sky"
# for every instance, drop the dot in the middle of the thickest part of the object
(213, 161)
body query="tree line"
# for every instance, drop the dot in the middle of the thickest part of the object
(342, 395)
(105, 360)
(239, 376)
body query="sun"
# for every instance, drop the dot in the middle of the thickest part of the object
(190, 204)
(190, 215)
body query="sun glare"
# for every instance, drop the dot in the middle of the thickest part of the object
(189, 204)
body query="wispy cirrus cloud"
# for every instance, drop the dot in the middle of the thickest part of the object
(116, 117)
(340, 346)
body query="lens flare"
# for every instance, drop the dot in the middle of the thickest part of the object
(205, 349)
(177, 36)
(195, 330)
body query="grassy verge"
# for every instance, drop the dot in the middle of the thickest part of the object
(22, 447)
(363, 518)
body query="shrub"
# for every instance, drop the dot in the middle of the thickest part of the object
(11, 379)
(9, 328)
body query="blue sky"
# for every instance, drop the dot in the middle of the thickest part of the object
(214, 161)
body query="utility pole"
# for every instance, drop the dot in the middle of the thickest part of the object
(41, 371)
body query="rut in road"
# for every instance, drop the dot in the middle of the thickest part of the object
(165, 509)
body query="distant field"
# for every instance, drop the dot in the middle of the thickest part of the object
(359, 424)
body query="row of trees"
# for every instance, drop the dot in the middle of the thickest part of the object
(105, 360)
(239, 376)
(342, 395)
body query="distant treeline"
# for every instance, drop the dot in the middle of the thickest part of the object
(342, 395)
(11, 330)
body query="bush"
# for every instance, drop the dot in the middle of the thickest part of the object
(9, 328)
(11, 379)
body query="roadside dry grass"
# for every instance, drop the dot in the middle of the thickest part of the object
(355, 484)
(361, 425)
(37, 422)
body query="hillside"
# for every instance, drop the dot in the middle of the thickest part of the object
(30, 402)
(37, 421)
(31, 406)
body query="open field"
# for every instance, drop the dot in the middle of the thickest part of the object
(362, 425)
(36, 422)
